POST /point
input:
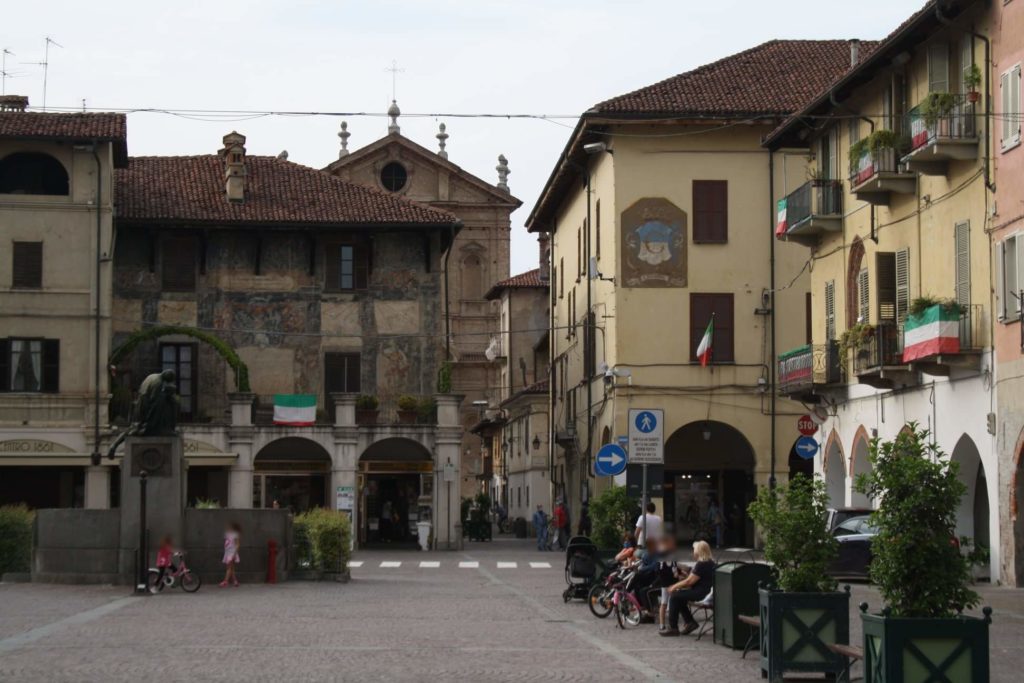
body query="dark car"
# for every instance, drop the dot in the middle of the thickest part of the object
(840, 515)
(854, 535)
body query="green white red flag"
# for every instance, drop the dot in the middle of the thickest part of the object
(295, 410)
(704, 349)
(935, 330)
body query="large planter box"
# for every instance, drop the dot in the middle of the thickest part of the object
(934, 331)
(797, 628)
(905, 650)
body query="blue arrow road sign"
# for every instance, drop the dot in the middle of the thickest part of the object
(806, 447)
(610, 460)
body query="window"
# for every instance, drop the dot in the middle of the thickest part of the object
(710, 211)
(472, 278)
(1009, 92)
(178, 261)
(702, 307)
(892, 271)
(590, 346)
(181, 358)
(561, 277)
(1011, 253)
(348, 267)
(938, 67)
(393, 176)
(863, 298)
(342, 373)
(962, 238)
(966, 61)
(597, 230)
(579, 252)
(32, 173)
(30, 365)
(830, 310)
(27, 267)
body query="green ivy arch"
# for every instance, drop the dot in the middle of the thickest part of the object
(226, 352)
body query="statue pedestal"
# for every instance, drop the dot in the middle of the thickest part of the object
(162, 457)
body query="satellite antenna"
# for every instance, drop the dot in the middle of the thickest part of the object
(45, 64)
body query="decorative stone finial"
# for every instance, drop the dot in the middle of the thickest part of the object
(344, 135)
(394, 112)
(442, 137)
(502, 169)
(283, 156)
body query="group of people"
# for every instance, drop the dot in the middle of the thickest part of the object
(557, 528)
(232, 542)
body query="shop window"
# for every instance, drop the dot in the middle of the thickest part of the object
(32, 173)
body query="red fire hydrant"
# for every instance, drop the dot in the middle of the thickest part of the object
(271, 561)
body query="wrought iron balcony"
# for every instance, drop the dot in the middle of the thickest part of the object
(811, 209)
(877, 173)
(948, 133)
(879, 362)
(803, 369)
(967, 352)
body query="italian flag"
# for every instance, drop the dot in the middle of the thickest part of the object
(704, 350)
(780, 218)
(295, 410)
(932, 332)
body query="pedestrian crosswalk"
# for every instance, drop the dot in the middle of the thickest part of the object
(438, 564)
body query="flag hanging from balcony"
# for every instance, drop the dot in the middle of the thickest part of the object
(295, 410)
(933, 331)
(704, 350)
(780, 223)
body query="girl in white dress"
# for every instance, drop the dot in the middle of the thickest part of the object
(232, 540)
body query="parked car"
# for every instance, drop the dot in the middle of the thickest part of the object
(840, 515)
(854, 535)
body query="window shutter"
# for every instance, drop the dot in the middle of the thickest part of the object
(5, 365)
(1015, 104)
(711, 211)
(332, 267)
(962, 237)
(885, 276)
(902, 284)
(1011, 304)
(830, 310)
(863, 298)
(1015, 283)
(561, 277)
(938, 67)
(361, 266)
(179, 264)
(51, 366)
(597, 229)
(27, 267)
(809, 317)
(1005, 124)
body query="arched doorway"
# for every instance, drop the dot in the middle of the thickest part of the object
(396, 490)
(972, 517)
(293, 472)
(708, 464)
(835, 474)
(860, 463)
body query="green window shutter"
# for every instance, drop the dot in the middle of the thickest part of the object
(830, 310)
(962, 237)
(902, 283)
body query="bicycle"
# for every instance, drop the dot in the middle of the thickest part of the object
(178, 574)
(628, 610)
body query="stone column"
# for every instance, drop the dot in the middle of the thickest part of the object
(240, 438)
(447, 451)
(97, 488)
(345, 458)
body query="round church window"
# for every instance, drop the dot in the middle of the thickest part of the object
(393, 176)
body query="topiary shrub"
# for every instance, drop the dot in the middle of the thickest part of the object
(918, 565)
(15, 538)
(793, 521)
(328, 534)
(612, 514)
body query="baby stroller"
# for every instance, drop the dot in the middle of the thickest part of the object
(582, 568)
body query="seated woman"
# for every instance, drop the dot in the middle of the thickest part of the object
(694, 588)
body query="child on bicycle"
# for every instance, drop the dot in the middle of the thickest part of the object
(164, 553)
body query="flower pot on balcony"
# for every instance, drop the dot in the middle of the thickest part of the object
(912, 650)
(407, 417)
(931, 332)
(973, 97)
(797, 628)
(366, 416)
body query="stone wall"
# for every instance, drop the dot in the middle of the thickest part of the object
(76, 546)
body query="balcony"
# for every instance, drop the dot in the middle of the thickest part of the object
(813, 208)
(961, 349)
(942, 129)
(879, 362)
(804, 371)
(877, 173)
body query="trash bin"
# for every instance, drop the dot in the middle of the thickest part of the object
(423, 534)
(736, 593)
(519, 526)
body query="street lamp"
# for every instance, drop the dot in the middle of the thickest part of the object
(536, 442)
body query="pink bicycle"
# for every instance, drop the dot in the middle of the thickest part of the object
(178, 573)
(628, 610)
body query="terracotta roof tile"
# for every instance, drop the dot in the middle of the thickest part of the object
(530, 278)
(774, 78)
(33, 125)
(191, 189)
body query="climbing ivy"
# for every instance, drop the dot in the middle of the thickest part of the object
(229, 355)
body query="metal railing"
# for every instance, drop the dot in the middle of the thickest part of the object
(873, 162)
(814, 198)
(971, 329)
(814, 364)
(955, 122)
(883, 349)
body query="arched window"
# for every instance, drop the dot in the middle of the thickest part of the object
(472, 278)
(856, 289)
(32, 173)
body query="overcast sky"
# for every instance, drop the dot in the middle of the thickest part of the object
(554, 57)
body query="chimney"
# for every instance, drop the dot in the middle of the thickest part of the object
(13, 102)
(854, 52)
(545, 257)
(234, 166)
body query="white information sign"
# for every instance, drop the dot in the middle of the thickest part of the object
(449, 472)
(346, 498)
(646, 436)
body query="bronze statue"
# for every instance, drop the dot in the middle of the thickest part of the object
(155, 411)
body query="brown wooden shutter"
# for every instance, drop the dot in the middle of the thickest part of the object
(809, 317)
(710, 211)
(51, 366)
(5, 364)
(332, 267)
(885, 276)
(178, 259)
(702, 306)
(27, 268)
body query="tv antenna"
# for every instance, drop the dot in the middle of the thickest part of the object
(45, 64)
(4, 73)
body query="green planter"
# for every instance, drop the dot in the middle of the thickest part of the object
(907, 650)
(797, 628)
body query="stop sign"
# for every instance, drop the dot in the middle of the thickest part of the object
(806, 425)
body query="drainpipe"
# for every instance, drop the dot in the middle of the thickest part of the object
(835, 103)
(95, 458)
(585, 472)
(773, 364)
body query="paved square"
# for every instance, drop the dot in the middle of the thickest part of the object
(463, 619)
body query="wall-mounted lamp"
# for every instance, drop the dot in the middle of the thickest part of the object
(536, 442)
(706, 432)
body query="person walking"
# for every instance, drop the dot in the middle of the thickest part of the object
(540, 525)
(232, 541)
(584, 526)
(653, 526)
(561, 522)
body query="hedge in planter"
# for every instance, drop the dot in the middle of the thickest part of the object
(806, 614)
(15, 539)
(920, 569)
(324, 538)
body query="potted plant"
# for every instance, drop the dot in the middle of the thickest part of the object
(407, 409)
(366, 409)
(932, 327)
(856, 339)
(935, 109)
(972, 79)
(920, 569)
(425, 410)
(804, 613)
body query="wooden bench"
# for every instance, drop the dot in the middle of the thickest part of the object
(755, 624)
(852, 654)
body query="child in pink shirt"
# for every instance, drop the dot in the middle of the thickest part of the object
(163, 561)
(232, 541)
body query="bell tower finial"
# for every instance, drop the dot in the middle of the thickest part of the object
(442, 138)
(344, 135)
(394, 112)
(502, 169)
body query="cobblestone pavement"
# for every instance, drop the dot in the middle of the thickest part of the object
(404, 617)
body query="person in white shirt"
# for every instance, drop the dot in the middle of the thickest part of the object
(653, 526)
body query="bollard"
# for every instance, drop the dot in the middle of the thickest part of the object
(271, 561)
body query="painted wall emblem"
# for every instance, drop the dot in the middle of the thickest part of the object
(654, 244)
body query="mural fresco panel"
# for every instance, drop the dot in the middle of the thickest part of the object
(654, 244)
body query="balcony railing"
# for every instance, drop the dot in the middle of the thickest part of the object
(815, 198)
(883, 349)
(957, 122)
(971, 329)
(801, 369)
(871, 163)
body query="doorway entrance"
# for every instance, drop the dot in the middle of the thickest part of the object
(293, 473)
(396, 492)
